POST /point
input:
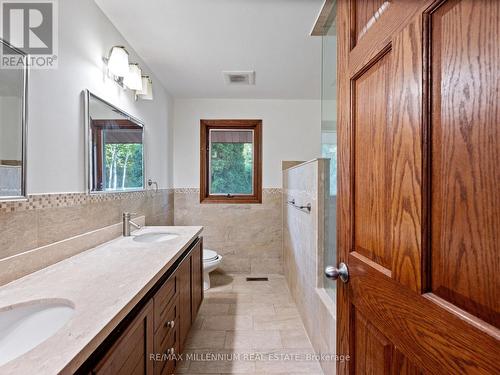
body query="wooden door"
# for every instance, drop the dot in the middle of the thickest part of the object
(419, 196)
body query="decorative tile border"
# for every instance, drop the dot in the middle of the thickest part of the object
(272, 190)
(186, 191)
(197, 191)
(41, 201)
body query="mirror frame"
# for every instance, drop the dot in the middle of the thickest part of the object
(24, 125)
(88, 149)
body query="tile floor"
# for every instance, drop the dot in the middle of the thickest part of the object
(248, 328)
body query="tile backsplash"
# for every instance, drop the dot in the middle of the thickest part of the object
(47, 218)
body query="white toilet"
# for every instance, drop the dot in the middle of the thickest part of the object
(211, 261)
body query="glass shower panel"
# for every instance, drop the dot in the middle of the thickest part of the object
(329, 148)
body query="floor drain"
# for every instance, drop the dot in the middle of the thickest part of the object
(257, 279)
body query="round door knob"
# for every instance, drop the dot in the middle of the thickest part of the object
(170, 324)
(171, 351)
(333, 273)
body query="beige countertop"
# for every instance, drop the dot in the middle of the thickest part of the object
(103, 284)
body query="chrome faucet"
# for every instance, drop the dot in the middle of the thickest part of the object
(127, 223)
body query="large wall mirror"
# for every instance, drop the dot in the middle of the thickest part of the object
(13, 91)
(114, 148)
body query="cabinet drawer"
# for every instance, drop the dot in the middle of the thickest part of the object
(166, 342)
(162, 300)
(168, 326)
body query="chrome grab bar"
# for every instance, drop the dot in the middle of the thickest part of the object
(302, 208)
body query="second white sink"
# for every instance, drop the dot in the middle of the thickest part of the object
(154, 237)
(23, 327)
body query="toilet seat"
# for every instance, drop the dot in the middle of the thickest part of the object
(208, 263)
(209, 255)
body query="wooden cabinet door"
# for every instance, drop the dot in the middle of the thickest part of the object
(184, 277)
(130, 354)
(419, 188)
(196, 278)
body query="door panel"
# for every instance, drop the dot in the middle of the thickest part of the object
(466, 155)
(365, 13)
(371, 107)
(419, 203)
(373, 350)
(405, 189)
(402, 366)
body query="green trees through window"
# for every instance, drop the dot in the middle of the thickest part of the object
(123, 166)
(231, 168)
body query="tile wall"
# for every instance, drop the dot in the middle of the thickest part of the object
(248, 236)
(303, 253)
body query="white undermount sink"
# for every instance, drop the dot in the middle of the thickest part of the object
(24, 326)
(154, 237)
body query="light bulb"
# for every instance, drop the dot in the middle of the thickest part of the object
(147, 89)
(133, 80)
(118, 61)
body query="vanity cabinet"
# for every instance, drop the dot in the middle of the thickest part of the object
(130, 353)
(148, 342)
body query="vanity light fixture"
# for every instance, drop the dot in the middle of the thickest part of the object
(118, 64)
(147, 89)
(128, 75)
(133, 80)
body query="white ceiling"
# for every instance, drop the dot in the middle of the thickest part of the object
(188, 43)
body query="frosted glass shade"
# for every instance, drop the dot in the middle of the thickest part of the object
(133, 80)
(147, 89)
(118, 62)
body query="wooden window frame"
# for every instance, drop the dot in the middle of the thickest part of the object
(205, 127)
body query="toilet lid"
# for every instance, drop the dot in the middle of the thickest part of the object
(209, 255)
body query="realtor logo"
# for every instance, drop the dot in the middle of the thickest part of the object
(31, 26)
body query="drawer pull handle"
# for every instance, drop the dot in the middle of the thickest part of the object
(170, 351)
(170, 324)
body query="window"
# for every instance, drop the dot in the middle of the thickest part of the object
(230, 158)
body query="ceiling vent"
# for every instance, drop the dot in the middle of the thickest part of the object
(239, 78)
